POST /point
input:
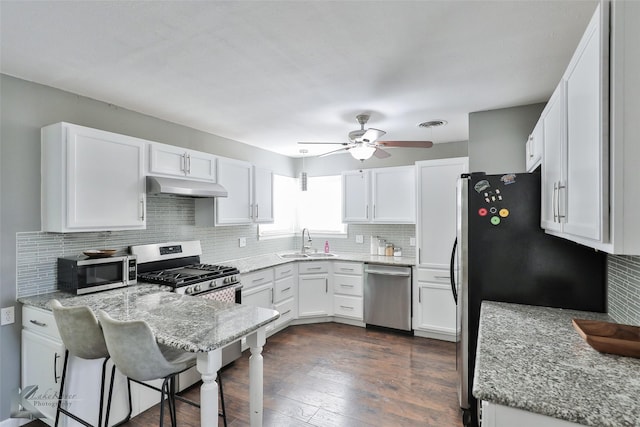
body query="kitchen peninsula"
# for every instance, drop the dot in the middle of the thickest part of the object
(191, 324)
(533, 368)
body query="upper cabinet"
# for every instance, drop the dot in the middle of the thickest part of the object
(249, 200)
(170, 160)
(436, 230)
(382, 195)
(92, 180)
(534, 148)
(589, 169)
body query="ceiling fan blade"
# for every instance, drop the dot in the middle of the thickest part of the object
(334, 143)
(371, 135)
(381, 154)
(408, 144)
(334, 151)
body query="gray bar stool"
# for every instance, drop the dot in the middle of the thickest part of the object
(83, 338)
(135, 351)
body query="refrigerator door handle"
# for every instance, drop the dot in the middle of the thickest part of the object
(452, 271)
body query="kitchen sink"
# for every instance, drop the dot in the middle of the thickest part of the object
(321, 255)
(293, 255)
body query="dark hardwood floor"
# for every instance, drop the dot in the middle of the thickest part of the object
(334, 375)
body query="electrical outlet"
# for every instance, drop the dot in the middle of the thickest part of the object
(412, 241)
(8, 315)
(242, 242)
(359, 238)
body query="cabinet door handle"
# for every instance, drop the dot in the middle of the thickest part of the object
(420, 295)
(554, 206)
(346, 307)
(271, 295)
(367, 213)
(286, 312)
(326, 286)
(374, 211)
(284, 273)
(142, 209)
(346, 286)
(55, 367)
(314, 268)
(250, 211)
(560, 187)
(38, 323)
(257, 212)
(442, 277)
(286, 289)
(189, 163)
(259, 279)
(347, 269)
(183, 163)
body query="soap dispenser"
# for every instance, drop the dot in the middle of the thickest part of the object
(326, 246)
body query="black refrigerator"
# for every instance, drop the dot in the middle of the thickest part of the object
(502, 254)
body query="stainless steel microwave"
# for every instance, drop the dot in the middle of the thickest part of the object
(84, 275)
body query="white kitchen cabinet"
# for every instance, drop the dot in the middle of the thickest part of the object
(92, 180)
(381, 195)
(355, 196)
(534, 148)
(315, 293)
(260, 296)
(348, 290)
(42, 361)
(553, 171)
(262, 195)
(436, 227)
(494, 415)
(249, 200)
(169, 160)
(434, 306)
(285, 294)
(42, 366)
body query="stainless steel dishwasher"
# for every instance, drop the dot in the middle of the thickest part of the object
(387, 296)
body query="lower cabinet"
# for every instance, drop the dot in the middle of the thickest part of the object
(41, 369)
(314, 289)
(284, 294)
(434, 306)
(347, 290)
(494, 415)
(257, 290)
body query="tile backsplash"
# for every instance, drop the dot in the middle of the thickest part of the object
(172, 218)
(624, 288)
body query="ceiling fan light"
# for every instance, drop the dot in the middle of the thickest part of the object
(362, 152)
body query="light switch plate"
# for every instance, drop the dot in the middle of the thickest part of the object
(412, 241)
(242, 242)
(7, 316)
(359, 238)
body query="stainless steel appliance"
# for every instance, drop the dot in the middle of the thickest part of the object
(387, 296)
(83, 275)
(177, 264)
(502, 254)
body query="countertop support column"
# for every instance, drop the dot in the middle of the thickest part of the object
(208, 365)
(256, 341)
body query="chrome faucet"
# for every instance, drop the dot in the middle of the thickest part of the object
(305, 247)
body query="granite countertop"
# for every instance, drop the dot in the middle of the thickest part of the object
(189, 323)
(531, 358)
(249, 264)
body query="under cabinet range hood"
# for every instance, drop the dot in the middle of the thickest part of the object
(184, 187)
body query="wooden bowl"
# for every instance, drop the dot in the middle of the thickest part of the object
(99, 253)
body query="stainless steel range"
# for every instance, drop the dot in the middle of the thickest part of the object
(177, 264)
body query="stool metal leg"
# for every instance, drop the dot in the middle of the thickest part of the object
(128, 416)
(59, 408)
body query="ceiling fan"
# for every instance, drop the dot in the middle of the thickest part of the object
(363, 143)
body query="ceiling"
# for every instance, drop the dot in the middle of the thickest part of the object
(271, 73)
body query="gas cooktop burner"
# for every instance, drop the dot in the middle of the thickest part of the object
(189, 274)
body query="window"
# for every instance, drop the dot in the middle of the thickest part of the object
(319, 208)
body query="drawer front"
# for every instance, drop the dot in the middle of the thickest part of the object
(286, 310)
(347, 285)
(42, 321)
(283, 289)
(347, 306)
(340, 267)
(283, 271)
(257, 278)
(434, 275)
(309, 267)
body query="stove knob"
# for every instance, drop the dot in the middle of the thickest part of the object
(212, 284)
(197, 288)
(188, 290)
(226, 280)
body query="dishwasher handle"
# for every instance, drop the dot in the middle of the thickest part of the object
(389, 271)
